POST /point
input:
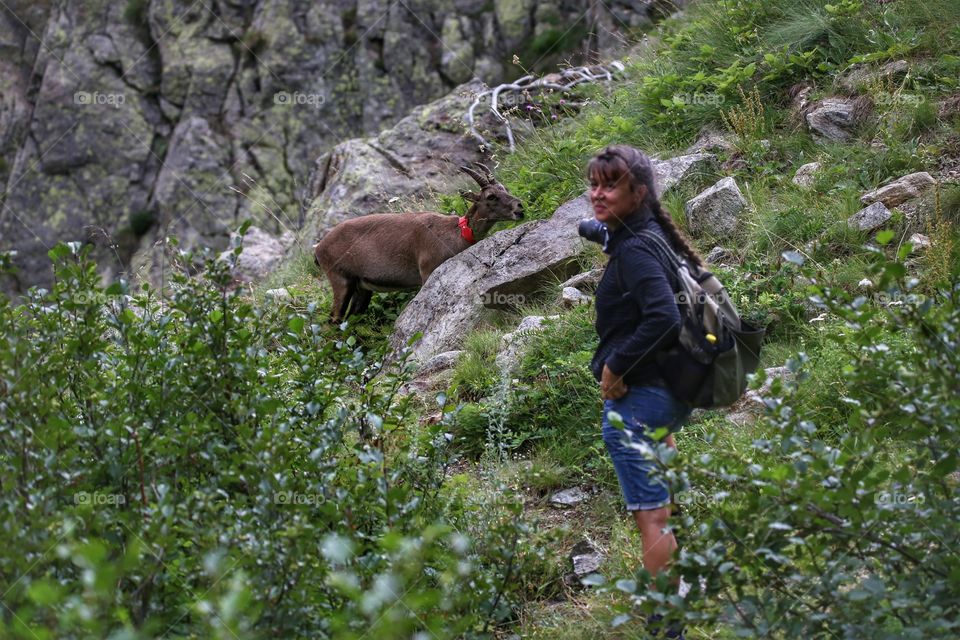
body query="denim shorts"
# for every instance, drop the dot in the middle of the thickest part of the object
(644, 410)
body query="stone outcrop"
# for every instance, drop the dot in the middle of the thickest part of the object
(900, 190)
(586, 281)
(691, 169)
(806, 175)
(510, 264)
(716, 210)
(870, 218)
(836, 119)
(135, 120)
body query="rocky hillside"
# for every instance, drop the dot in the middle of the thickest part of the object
(217, 460)
(121, 122)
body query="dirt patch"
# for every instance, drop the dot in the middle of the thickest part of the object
(949, 107)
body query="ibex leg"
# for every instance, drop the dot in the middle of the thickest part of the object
(361, 300)
(343, 290)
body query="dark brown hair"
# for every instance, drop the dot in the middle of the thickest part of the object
(619, 160)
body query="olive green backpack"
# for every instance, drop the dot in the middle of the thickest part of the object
(707, 366)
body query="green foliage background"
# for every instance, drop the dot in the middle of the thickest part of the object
(207, 461)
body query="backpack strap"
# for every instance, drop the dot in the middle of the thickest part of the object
(661, 249)
(664, 248)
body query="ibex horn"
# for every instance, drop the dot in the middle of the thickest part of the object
(486, 171)
(481, 180)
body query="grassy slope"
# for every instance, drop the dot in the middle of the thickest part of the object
(749, 54)
(738, 60)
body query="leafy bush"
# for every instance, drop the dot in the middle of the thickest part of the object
(476, 373)
(470, 430)
(196, 464)
(823, 530)
(556, 404)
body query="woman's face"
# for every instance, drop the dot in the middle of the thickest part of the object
(613, 200)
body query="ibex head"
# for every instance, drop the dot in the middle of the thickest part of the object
(493, 202)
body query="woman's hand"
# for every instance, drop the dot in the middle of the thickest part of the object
(612, 386)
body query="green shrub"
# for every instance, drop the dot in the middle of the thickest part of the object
(950, 204)
(470, 430)
(923, 119)
(192, 462)
(830, 522)
(476, 373)
(557, 403)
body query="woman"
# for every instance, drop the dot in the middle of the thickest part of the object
(637, 315)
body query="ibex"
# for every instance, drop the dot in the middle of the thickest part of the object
(396, 251)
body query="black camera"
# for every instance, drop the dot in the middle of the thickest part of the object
(594, 231)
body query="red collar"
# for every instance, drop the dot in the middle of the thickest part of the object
(465, 231)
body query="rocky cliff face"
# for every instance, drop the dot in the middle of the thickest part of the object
(121, 121)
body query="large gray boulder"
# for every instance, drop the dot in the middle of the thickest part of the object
(136, 120)
(716, 211)
(507, 265)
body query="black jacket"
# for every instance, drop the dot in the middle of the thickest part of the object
(637, 312)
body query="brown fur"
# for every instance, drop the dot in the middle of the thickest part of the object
(396, 251)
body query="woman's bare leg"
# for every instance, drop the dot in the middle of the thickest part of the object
(658, 544)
